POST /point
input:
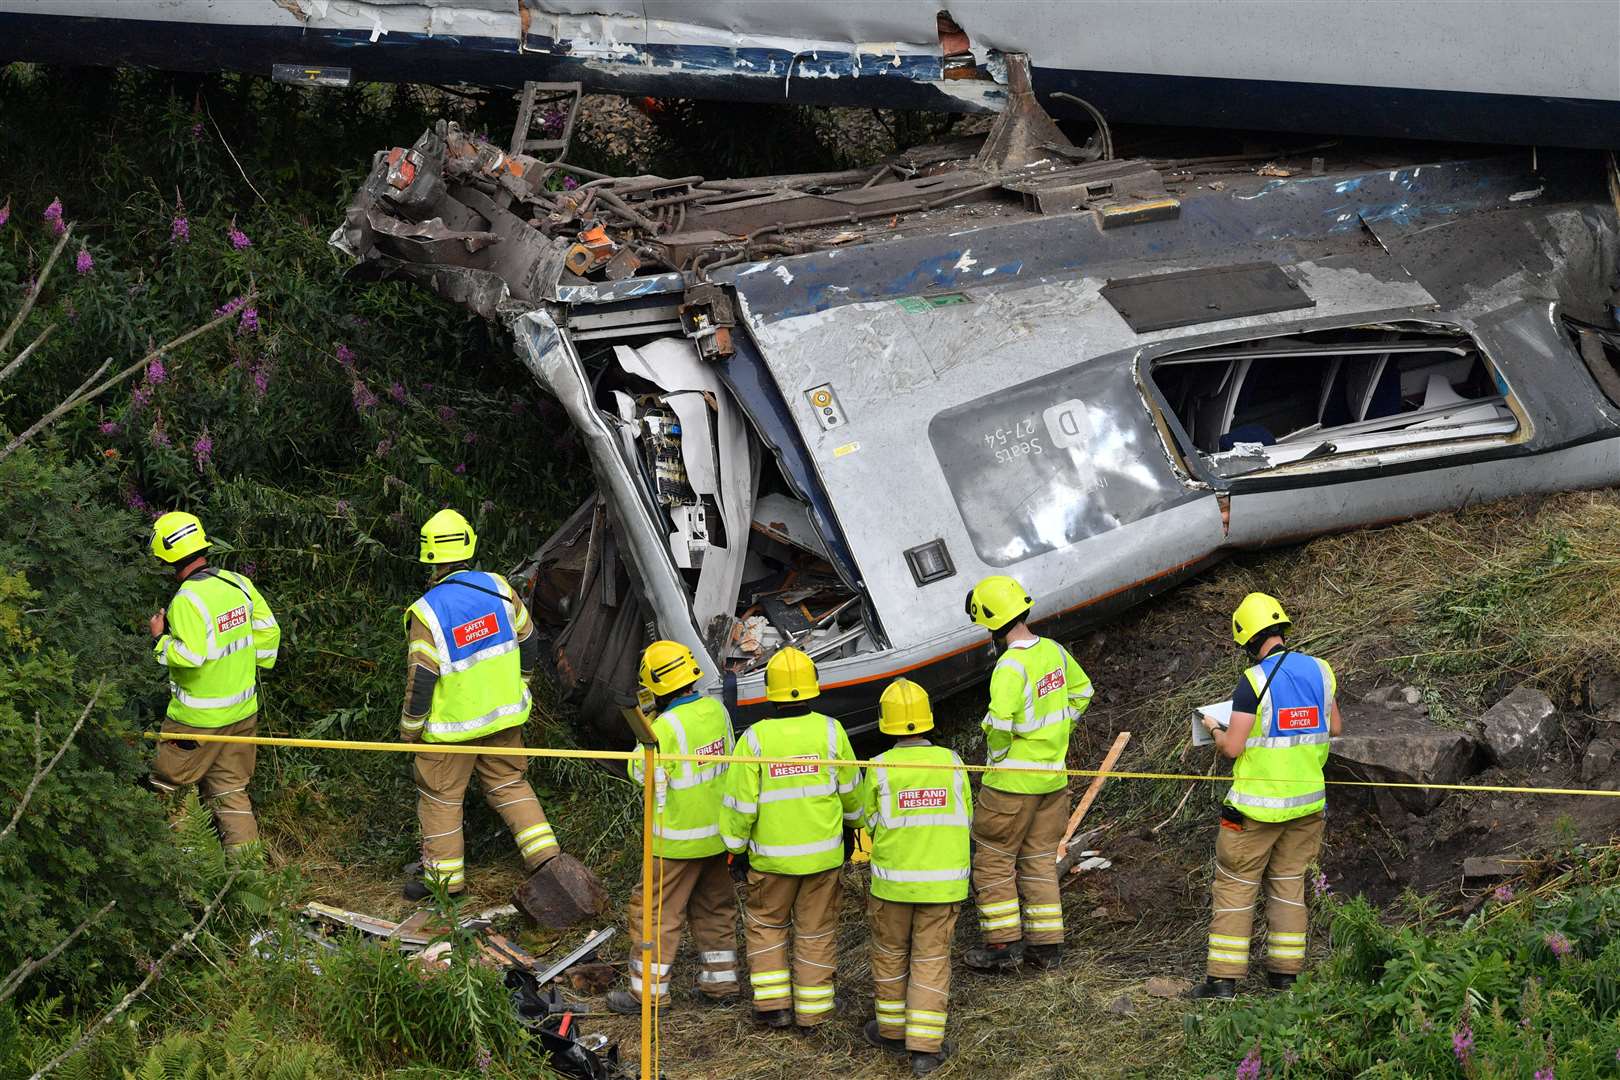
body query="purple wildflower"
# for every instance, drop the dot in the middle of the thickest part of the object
(109, 427)
(1320, 886)
(197, 130)
(155, 371)
(486, 506)
(239, 239)
(484, 1058)
(384, 446)
(343, 506)
(261, 380)
(345, 356)
(5, 212)
(569, 183)
(1462, 1042)
(397, 392)
(1503, 894)
(203, 450)
(470, 438)
(460, 469)
(231, 306)
(134, 501)
(1249, 1067)
(249, 322)
(84, 263)
(180, 230)
(1290, 1056)
(157, 435)
(53, 214)
(363, 397)
(427, 388)
(446, 413)
(1559, 944)
(140, 397)
(1545, 1074)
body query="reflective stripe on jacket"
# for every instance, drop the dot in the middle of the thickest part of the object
(1037, 692)
(480, 689)
(791, 818)
(220, 630)
(920, 821)
(1278, 777)
(687, 816)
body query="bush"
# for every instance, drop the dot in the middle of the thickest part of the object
(1527, 986)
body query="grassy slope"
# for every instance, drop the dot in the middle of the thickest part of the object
(1517, 594)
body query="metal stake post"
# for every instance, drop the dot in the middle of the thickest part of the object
(648, 780)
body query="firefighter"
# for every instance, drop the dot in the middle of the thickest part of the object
(213, 636)
(785, 824)
(1284, 713)
(1037, 691)
(470, 654)
(690, 881)
(919, 820)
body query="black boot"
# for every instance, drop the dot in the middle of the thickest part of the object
(1211, 987)
(999, 958)
(1280, 980)
(922, 1064)
(1045, 957)
(881, 1041)
(776, 1018)
(624, 1003)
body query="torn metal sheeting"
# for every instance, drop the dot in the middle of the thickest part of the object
(418, 931)
(1146, 366)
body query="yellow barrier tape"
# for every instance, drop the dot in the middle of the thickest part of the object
(738, 759)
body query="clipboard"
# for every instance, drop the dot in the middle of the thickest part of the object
(1220, 712)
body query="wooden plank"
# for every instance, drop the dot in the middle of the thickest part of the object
(1109, 761)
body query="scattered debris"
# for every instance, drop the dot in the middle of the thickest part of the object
(562, 893)
(1487, 866)
(1271, 169)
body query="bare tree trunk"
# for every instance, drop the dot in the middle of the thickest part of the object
(33, 294)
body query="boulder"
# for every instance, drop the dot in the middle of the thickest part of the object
(1476, 867)
(1600, 756)
(561, 893)
(1379, 744)
(1519, 729)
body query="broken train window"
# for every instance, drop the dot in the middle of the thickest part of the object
(1310, 395)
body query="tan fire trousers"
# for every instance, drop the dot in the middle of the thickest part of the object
(441, 785)
(911, 969)
(1273, 852)
(1015, 840)
(698, 892)
(808, 906)
(221, 772)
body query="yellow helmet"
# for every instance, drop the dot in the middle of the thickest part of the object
(667, 666)
(447, 538)
(176, 535)
(904, 709)
(997, 601)
(791, 676)
(1257, 612)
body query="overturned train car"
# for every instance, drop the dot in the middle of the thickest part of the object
(819, 408)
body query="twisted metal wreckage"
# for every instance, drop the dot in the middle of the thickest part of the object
(818, 407)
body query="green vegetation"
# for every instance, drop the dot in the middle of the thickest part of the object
(1527, 986)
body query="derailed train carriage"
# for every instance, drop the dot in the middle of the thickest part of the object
(818, 408)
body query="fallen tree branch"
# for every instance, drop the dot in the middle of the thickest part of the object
(41, 774)
(28, 967)
(151, 977)
(15, 364)
(79, 396)
(33, 294)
